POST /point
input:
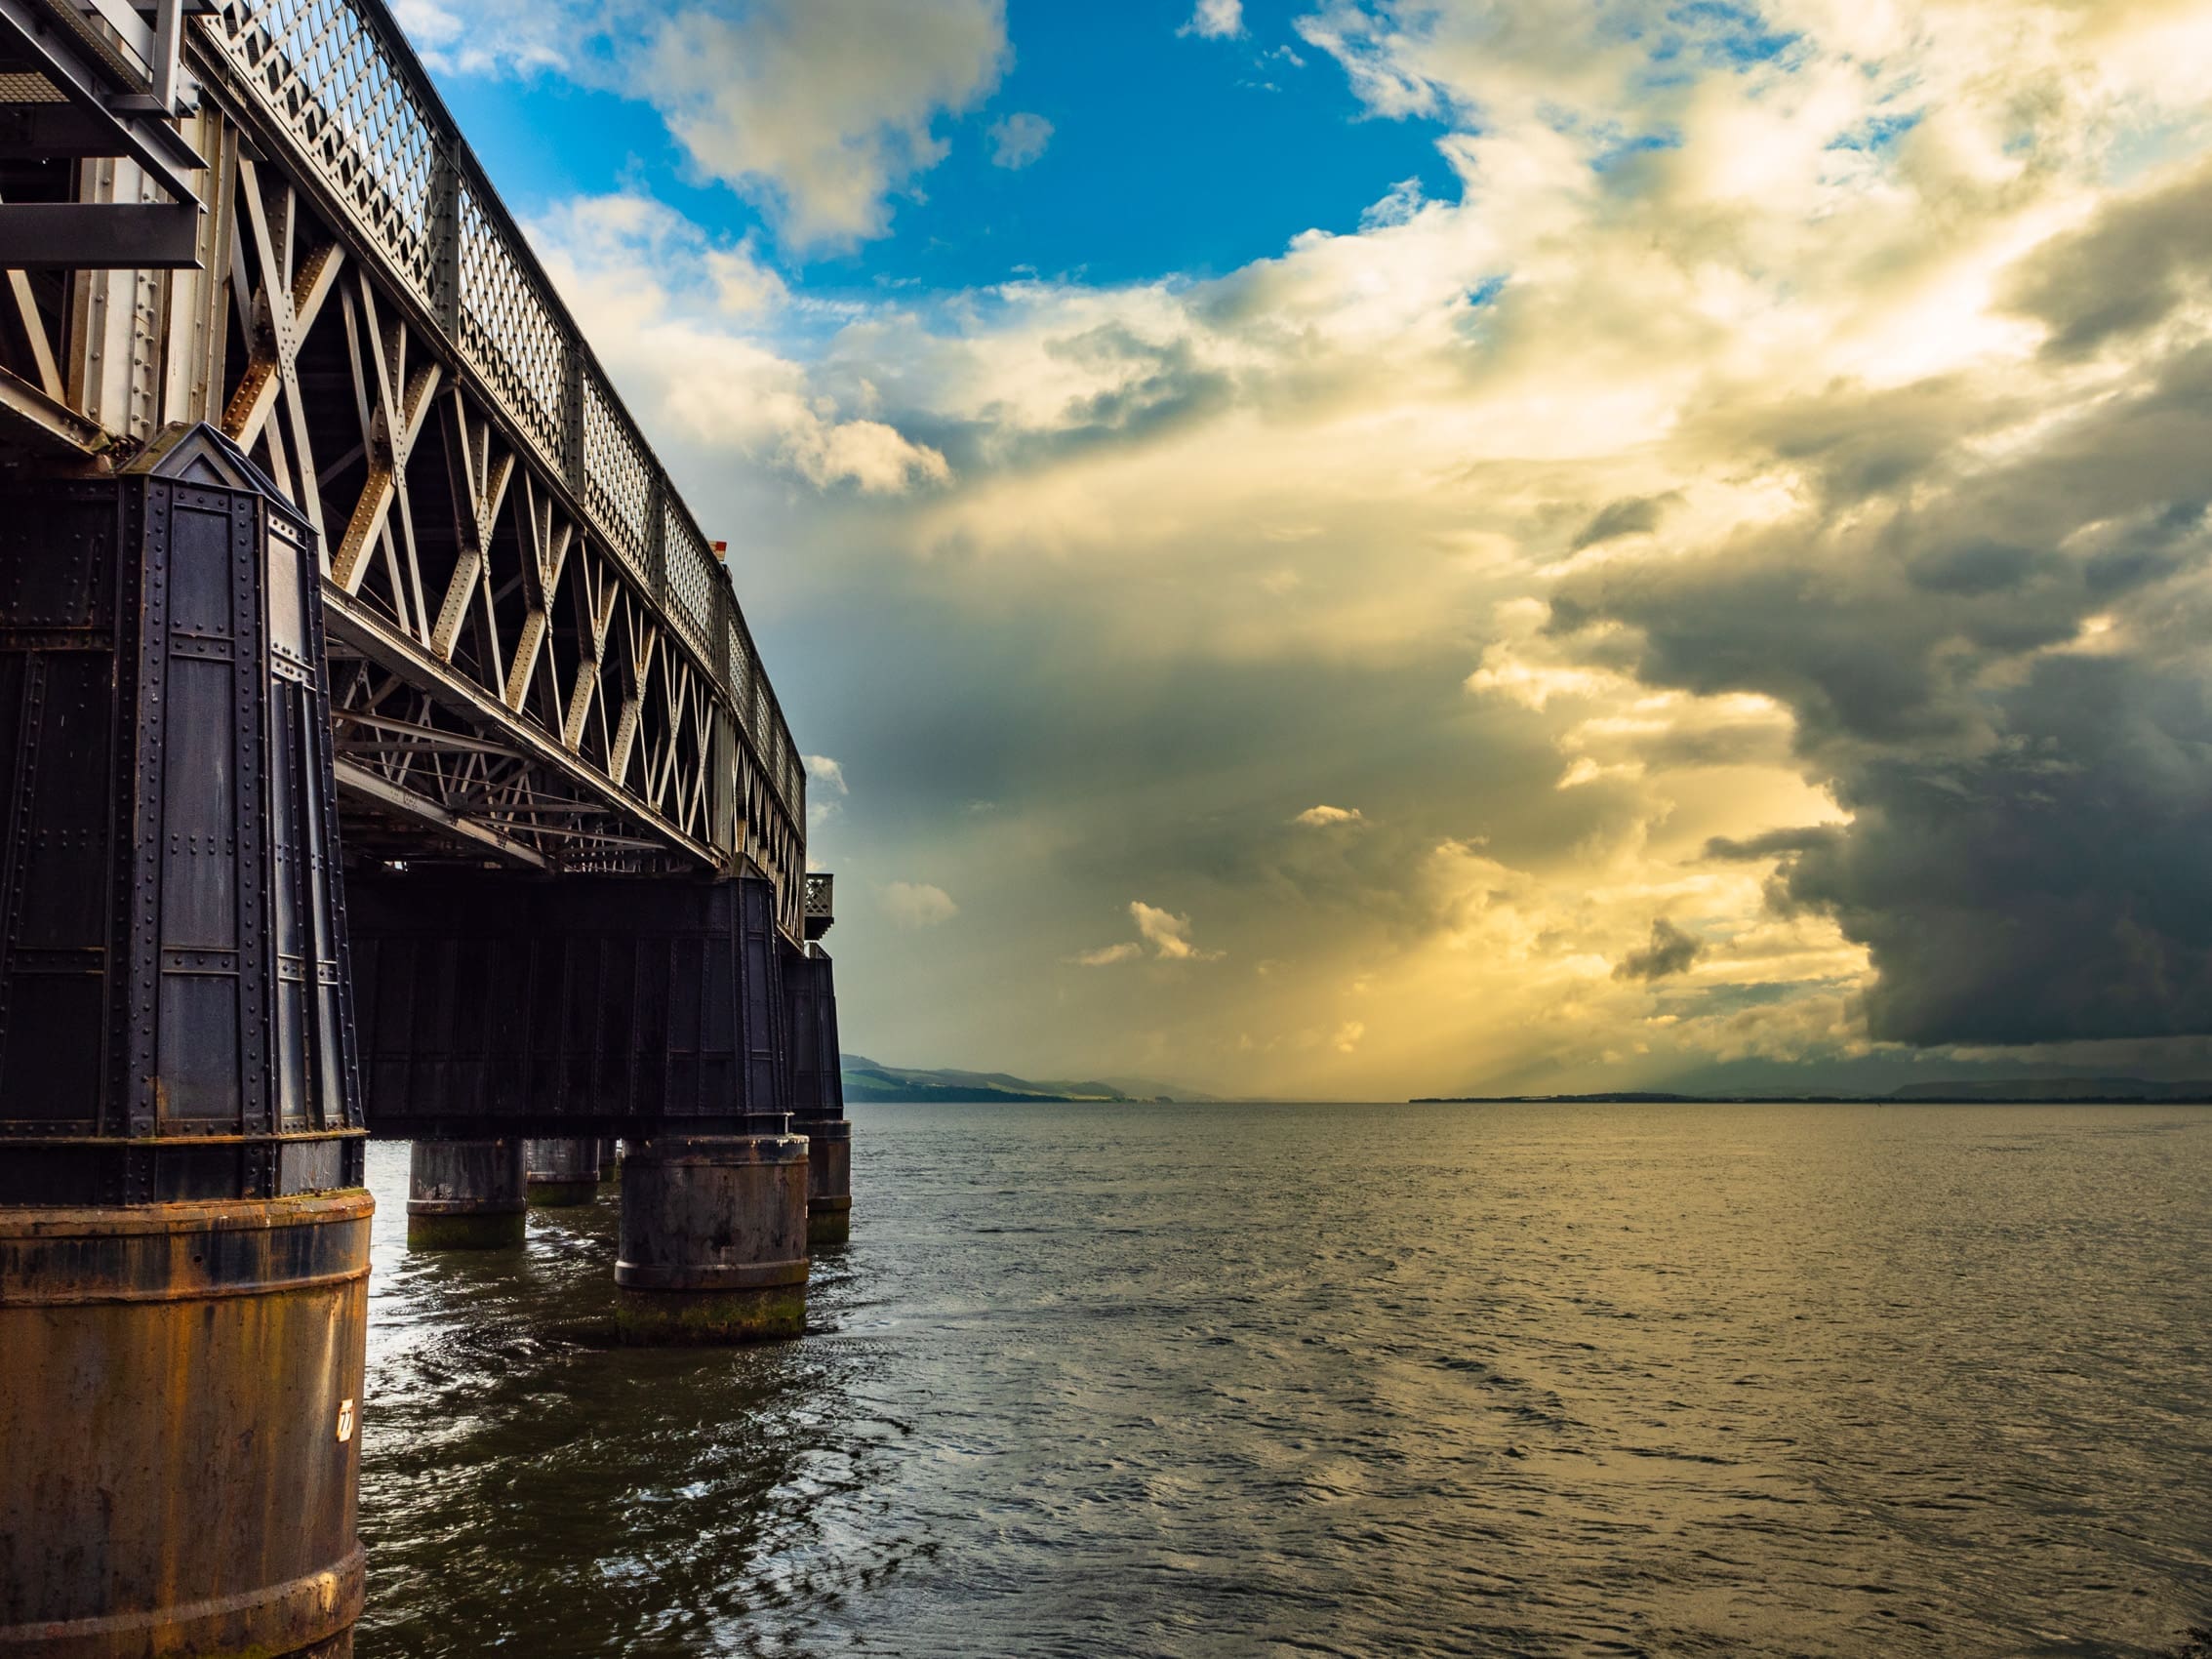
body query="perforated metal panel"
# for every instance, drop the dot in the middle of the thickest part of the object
(510, 331)
(322, 68)
(692, 577)
(617, 479)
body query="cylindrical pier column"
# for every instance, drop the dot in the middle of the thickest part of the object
(713, 1239)
(562, 1172)
(178, 1431)
(829, 1178)
(466, 1195)
(183, 1224)
(818, 1094)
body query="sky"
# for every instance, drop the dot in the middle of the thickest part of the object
(1359, 548)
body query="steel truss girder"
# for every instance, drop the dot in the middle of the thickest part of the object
(606, 706)
(562, 708)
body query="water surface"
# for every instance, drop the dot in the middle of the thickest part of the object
(1357, 1379)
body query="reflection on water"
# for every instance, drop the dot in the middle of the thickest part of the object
(1240, 1380)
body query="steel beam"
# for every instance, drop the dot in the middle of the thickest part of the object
(368, 634)
(365, 785)
(47, 420)
(100, 236)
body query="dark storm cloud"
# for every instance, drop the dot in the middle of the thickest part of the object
(2060, 888)
(2004, 674)
(1671, 951)
(1775, 843)
(1632, 515)
(2124, 274)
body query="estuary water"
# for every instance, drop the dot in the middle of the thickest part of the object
(1236, 1380)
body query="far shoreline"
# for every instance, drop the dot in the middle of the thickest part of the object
(2191, 1097)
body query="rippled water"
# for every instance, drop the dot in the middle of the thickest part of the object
(1408, 1380)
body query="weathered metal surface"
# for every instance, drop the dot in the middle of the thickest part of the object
(180, 1426)
(174, 1020)
(713, 1239)
(817, 1093)
(822, 903)
(829, 1178)
(562, 1171)
(465, 1194)
(818, 1088)
(100, 236)
(581, 1006)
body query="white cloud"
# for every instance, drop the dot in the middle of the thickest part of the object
(1349, 1034)
(1108, 955)
(1399, 206)
(1019, 140)
(522, 35)
(1169, 935)
(1216, 20)
(827, 800)
(821, 110)
(1324, 817)
(672, 315)
(1652, 324)
(918, 904)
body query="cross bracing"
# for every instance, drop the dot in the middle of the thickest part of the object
(536, 658)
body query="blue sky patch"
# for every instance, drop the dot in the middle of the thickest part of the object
(1166, 152)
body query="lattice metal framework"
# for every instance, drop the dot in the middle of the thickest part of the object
(536, 657)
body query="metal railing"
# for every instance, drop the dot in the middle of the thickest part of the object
(338, 78)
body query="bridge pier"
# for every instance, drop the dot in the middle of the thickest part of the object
(610, 1158)
(713, 1239)
(183, 1232)
(562, 1172)
(466, 1195)
(818, 1094)
(568, 1008)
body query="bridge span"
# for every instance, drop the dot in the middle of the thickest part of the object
(387, 753)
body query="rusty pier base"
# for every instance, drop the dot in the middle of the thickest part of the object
(562, 1172)
(714, 1238)
(829, 1179)
(183, 1386)
(466, 1195)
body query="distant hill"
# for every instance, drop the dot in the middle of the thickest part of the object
(2059, 1088)
(2118, 1091)
(871, 1079)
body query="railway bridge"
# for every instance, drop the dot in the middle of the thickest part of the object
(387, 754)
